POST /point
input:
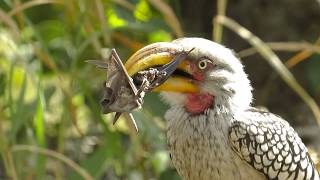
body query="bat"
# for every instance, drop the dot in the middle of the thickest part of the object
(121, 94)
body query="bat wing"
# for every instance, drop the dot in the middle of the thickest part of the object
(116, 67)
(98, 63)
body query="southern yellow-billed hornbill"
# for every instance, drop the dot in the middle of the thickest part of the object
(212, 130)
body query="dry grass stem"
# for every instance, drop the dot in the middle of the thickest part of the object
(283, 46)
(56, 155)
(30, 4)
(217, 27)
(266, 52)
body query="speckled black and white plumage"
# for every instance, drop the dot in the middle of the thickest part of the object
(270, 145)
(200, 149)
(230, 140)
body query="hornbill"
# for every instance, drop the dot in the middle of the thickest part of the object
(213, 132)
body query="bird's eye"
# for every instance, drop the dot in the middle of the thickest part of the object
(203, 64)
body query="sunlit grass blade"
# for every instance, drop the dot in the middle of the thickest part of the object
(40, 132)
(17, 117)
(273, 60)
(217, 27)
(39, 121)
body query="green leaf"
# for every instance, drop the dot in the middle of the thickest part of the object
(114, 20)
(39, 121)
(18, 114)
(142, 11)
(40, 133)
(160, 35)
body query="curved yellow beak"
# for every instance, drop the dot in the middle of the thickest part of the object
(158, 54)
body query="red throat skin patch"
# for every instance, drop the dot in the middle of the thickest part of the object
(197, 103)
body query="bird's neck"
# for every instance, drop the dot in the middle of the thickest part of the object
(199, 103)
(228, 105)
(196, 103)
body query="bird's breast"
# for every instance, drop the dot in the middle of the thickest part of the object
(199, 147)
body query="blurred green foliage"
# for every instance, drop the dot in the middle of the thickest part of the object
(51, 126)
(49, 97)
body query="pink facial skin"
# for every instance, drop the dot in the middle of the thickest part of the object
(197, 103)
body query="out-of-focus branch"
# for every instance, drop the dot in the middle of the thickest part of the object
(6, 19)
(30, 4)
(266, 52)
(301, 56)
(56, 155)
(283, 46)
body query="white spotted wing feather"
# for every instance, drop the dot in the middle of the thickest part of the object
(270, 145)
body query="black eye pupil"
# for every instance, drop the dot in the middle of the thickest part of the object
(202, 64)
